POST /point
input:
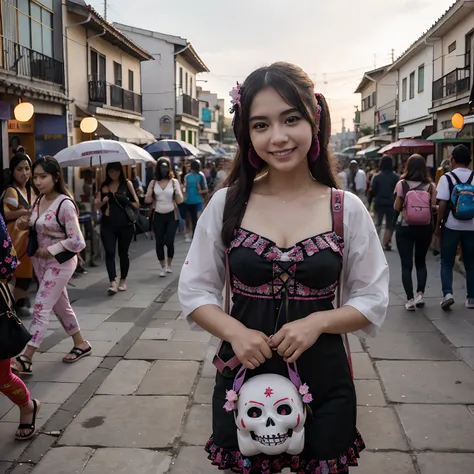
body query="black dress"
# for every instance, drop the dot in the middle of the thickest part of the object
(271, 286)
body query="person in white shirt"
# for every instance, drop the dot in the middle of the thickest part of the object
(354, 180)
(454, 231)
(164, 193)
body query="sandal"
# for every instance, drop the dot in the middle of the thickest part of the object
(78, 353)
(26, 426)
(22, 365)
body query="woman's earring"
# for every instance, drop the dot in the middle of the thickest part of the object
(254, 160)
(315, 150)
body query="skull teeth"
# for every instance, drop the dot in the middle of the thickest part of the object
(270, 440)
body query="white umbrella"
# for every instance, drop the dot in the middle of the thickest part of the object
(101, 152)
(191, 148)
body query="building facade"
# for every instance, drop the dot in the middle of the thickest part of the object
(170, 102)
(32, 70)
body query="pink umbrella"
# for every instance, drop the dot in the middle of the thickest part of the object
(407, 146)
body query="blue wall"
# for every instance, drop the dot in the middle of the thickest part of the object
(50, 134)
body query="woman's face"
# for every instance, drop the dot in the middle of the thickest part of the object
(22, 173)
(43, 181)
(279, 133)
(164, 169)
(114, 174)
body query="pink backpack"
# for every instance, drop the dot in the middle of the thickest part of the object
(417, 204)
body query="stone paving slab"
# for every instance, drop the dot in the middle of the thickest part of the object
(181, 335)
(445, 463)
(198, 426)
(438, 427)
(409, 346)
(459, 333)
(204, 390)
(65, 460)
(355, 344)
(171, 306)
(117, 421)
(385, 463)
(369, 393)
(126, 461)
(153, 350)
(167, 314)
(62, 372)
(363, 368)
(124, 378)
(99, 348)
(53, 392)
(467, 355)
(157, 334)
(380, 428)
(192, 460)
(4, 466)
(208, 370)
(169, 377)
(398, 321)
(169, 324)
(109, 331)
(124, 315)
(427, 382)
(46, 412)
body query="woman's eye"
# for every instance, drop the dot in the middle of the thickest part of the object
(259, 126)
(293, 119)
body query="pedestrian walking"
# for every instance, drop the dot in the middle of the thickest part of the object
(382, 191)
(455, 224)
(56, 236)
(17, 200)
(118, 202)
(164, 194)
(196, 187)
(354, 181)
(415, 202)
(10, 385)
(276, 233)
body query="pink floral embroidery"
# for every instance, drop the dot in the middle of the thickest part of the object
(49, 284)
(55, 271)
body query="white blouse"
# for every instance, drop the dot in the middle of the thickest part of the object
(365, 278)
(164, 198)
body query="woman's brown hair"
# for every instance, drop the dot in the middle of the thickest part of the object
(416, 170)
(297, 89)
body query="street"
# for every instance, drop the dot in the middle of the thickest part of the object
(141, 403)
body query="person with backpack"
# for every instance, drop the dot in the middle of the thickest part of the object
(17, 199)
(382, 191)
(415, 202)
(455, 223)
(55, 240)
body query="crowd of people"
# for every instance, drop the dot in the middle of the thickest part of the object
(424, 213)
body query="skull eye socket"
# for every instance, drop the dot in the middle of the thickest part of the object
(254, 412)
(284, 410)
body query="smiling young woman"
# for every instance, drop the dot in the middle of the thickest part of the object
(274, 231)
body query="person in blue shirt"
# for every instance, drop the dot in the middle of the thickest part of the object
(196, 187)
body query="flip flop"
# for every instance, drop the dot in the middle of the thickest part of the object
(31, 427)
(78, 353)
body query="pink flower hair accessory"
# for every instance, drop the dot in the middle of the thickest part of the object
(235, 95)
(305, 394)
(232, 397)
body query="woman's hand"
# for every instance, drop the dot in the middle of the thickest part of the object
(23, 222)
(105, 200)
(251, 347)
(295, 337)
(25, 212)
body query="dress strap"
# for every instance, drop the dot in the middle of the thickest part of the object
(337, 210)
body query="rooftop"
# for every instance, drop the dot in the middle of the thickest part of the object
(374, 74)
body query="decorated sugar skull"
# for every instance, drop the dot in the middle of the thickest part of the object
(270, 416)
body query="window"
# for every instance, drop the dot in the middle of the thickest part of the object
(374, 97)
(467, 57)
(190, 137)
(181, 77)
(404, 89)
(31, 25)
(412, 85)
(117, 74)
(452, 47)
(186, 83)
(98, 62)
(130, 80)
(191, 86)
(183, 135)
(421, 78)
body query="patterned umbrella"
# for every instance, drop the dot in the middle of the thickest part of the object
(407, 146)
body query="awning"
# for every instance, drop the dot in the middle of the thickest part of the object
(448, 135)
(364, 140)
(206, 149)
(127, 132)
(370, 152)
(351, 150)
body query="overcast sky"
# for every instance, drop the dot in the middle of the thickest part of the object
(334, 41)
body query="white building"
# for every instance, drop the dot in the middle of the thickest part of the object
(378, 98)
(211, 110)
(414, 77)
(170, 103)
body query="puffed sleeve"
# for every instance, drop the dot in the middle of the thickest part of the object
(74, 240)
(366, 272)
(202, 278)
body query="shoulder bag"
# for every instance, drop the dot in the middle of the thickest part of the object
(13, 334)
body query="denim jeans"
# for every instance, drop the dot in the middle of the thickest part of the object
(450, 239)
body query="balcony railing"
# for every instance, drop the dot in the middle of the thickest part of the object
(102, 93)
(190, 106)
(124, 99)
(26, 62)
(452, 84)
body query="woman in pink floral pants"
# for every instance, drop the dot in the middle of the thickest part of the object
(54, 216)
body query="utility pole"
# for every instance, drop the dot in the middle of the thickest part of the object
(375, 61)
(393, 55)
(105, 9)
